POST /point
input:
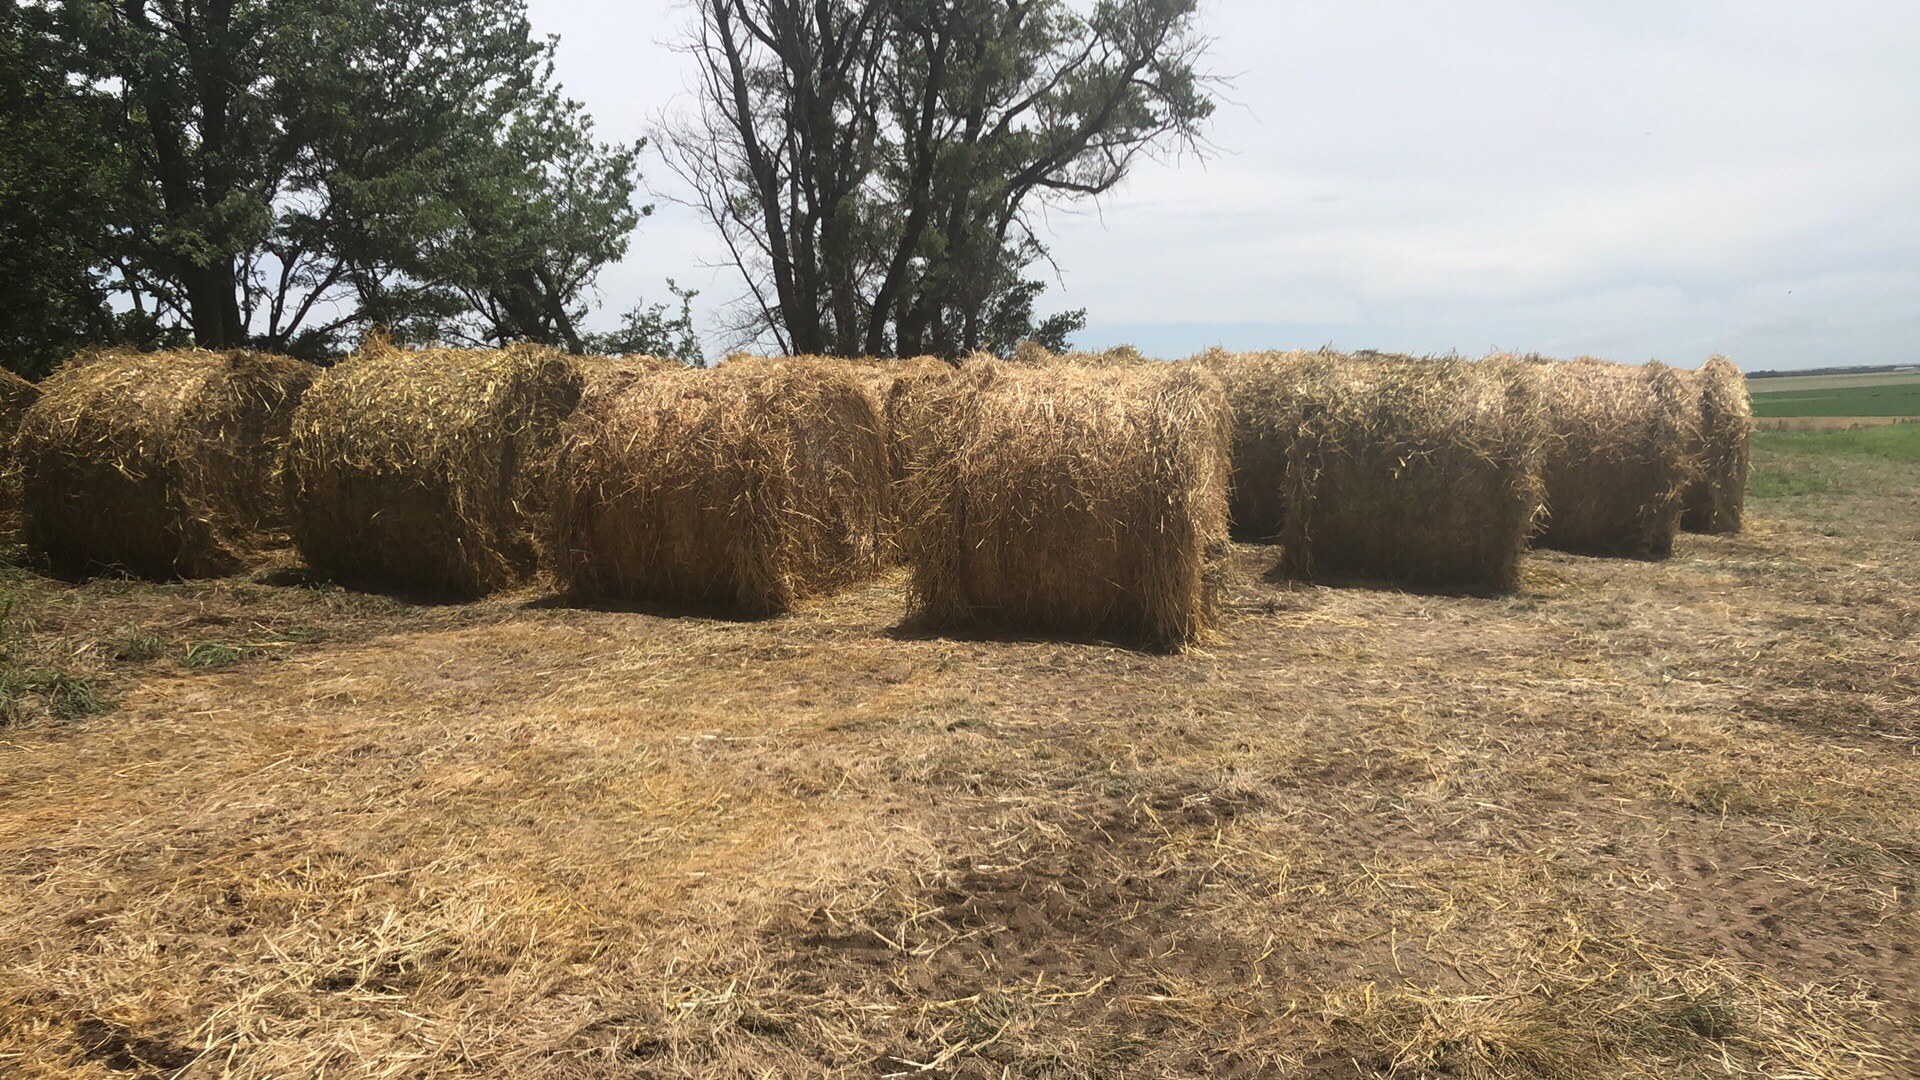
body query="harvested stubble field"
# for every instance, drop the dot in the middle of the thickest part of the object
(1636, 820)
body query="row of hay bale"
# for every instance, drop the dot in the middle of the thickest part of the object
(1079, 494)
(1445, 471)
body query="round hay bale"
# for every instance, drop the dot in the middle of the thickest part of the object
(749, 487)
(161, 464)
(1419, 472)
(16, 394)
(1616, 465)
(1034, 354)
(1716, 499)
(894, 386)
(1264, 391)
(1072, 498)
(427, 470)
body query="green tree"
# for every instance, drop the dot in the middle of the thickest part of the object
(874, 166)
(313, 168)
(654, 330)
(62, 182)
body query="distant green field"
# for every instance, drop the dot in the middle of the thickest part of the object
(1901, 442)
(1901, 399)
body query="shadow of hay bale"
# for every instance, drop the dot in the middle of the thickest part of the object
(160, 464)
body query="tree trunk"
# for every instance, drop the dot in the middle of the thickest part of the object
(213, 306)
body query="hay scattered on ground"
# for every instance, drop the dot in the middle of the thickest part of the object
(1421, 472)
(1716, 497)
(1616, 467)
(1264, 390)
(751, 487)
(16, 394)
(428, 470)
(161, 464)
(1072, 498)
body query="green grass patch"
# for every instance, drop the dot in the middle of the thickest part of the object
(1901, 400)
(64, 696)
(1787, 482)
(213, 655)
(209, 655)
(1897, 442)
(135, 645)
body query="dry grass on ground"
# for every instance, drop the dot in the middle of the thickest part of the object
(1637, 820)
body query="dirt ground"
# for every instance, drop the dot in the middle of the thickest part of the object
(1643, 819)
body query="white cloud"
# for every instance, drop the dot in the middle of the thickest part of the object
(1637, 179)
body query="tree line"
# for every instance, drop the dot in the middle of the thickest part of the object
(289, 174)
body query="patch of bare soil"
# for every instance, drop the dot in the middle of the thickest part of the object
(1642, 819)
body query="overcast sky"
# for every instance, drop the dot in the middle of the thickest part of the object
(1636, 180)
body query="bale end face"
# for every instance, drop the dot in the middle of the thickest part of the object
(1722, 454)
(1416, 472)
(1263, 390)
(1072, 499)
(161, 464)
(1617, 465)
(427, 470)
(751, 487)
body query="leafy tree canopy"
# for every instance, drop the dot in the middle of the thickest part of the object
(288, 174)
(874, 166)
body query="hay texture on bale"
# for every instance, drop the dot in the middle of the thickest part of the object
(1722, 457)
(160, 464)
(1072, 499)
(749, 487)
(901, 391)
(427, 470)
(1417, 472)
(1616, 465)
(1034, 354)
(1264, 391)
(16, 394)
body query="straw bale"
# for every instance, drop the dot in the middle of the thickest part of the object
(1071, 498)
(1419, 472)
(749, 487)
(1722, 458)
(1034, 354)
(427, 470)
(160, 464)
(895, 386)
(16, 394)
(1616, 466)
(1264, 390)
